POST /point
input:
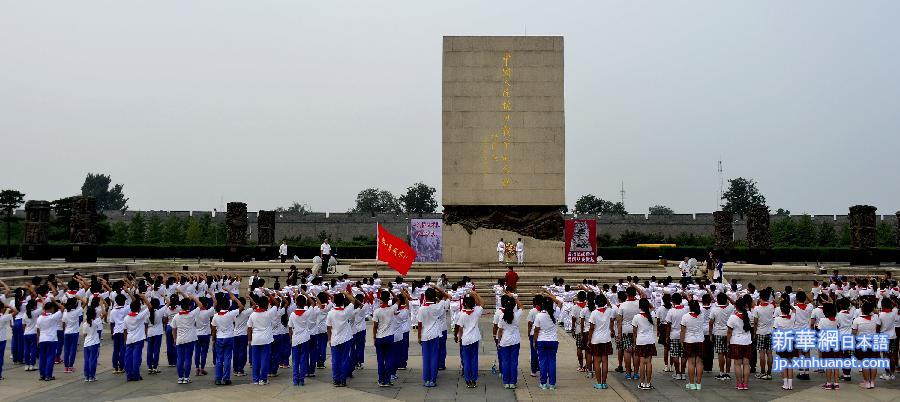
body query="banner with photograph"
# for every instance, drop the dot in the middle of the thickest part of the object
(426, 237)
(581, 241)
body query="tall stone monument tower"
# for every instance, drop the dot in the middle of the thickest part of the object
(503, 146)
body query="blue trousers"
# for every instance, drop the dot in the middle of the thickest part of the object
(300, 362)
(442, 351)
(259, 356)
(2, 352)
(430, 359)
(321, 347)
(118, 354)
(240, 353)
(547, 361)
(201, 350)
(46, 354)
(70, 346)
(284, 356)
(171, 354)
(29, 353)
(340, 361)
(312, 355)
(60, 334)
(359, 347)
(183, 353)
(469, 355)
(384, 354)
(18, 341)
(401, 352)
(133, 353)
(91, 354)
(275, 354)
(534, 355)
(509, 363)
(224, 351)
(154, 344)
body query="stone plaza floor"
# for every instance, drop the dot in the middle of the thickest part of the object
(572, 385)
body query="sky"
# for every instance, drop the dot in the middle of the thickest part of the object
(191, 103)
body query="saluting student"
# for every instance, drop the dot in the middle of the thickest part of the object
(509, 342)
(222, 327)
(155, 332)
(259, 335)
(692, 325)
(340, 336)
(300, 322)
(89, 328)
(644, 334)
(135, 334)
(601, 335)
(430, 321)
(71, 327)
(547, 341)
(739, 343)
(6, 318)
(184, 330)
(468, 335)
(46, 325)
(383, 337)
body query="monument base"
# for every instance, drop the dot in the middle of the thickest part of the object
(867, 256)
(265, 253)
(35, 251)
(759, 256)
(236, 253)
(481, 246)
(81, 253)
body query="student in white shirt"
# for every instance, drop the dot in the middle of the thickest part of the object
(430, 328)
(644, 333)
(155, 332)
(888, 317)
(468, 335)
(739, 341)
(240, 337)
(358, 327)
(763, 316)
(601, 335)
(222, 326)
(135, 334)
(676, 349)
(402, 326)
(383, 337)
(204, 332)
(117, 322)
(71, 326)
(340, 336)
(691, 337)
(501, 250)
(785, 322)
(319, 333)
(260, 338)
(184, 330)
(509, 342)
(92, 323)
(300, 322)
(520, 252)
(46, 325)
(869, 324)
(532, 314)
(718, 320)
(546, 341)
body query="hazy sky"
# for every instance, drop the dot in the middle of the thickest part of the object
(267, 102)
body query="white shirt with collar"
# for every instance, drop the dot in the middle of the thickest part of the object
(223, 320)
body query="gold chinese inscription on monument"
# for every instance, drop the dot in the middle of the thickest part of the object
(496, 149)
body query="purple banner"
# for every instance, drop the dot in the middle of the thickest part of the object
(426, 237)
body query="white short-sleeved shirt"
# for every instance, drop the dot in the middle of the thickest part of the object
(468, 321)
(627, 310)
(866, 324)
(299, 323)
(827, 323)
(764, 314)
(532, 314)
(47, 324)
(430, 317)
(401, 323)
(261, 323)
(224, 323)
(674, 316)
(340, 319)
(719, 316)
(546, 326)
(385, 316)
(326, 249)
(90, 331)
(203, 320)
(600, 319)
(511, 335)
(646, 331)
(70, 320)
(240, 321)
(738, 335)
(693, 327)
(887, 319)
(117, 318)
(155, 327)
(134, 324)
(783, 322)
(5, 320)
(184, 325)
(803, 312)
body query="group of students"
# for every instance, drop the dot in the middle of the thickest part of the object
(691, 322)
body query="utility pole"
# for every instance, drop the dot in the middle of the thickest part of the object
(721, 185)
(622, 193)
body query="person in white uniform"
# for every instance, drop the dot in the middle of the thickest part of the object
(501, 250)
(520, 252)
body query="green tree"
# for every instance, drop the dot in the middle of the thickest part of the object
(216, 233)
(173, 231)
(782, 212)
(419, 199)
(295, 207)
(193, 233)
(376, 201)
(805, 235)
(206, 228)
(97, 186)
(844, 240)
(826, 236)
(661, 210)
(120, 233)
(592, 205)
(154, 230)
(783, 232)
(137, 229)
(9, 201)
(741, 195)
(884, 235)
(62, 216)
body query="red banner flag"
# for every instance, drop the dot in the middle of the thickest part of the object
(394, 251)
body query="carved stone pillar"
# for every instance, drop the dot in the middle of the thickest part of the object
(82, 236)
(235, 231)
(863, 249)
(265, 234)
(724, 231)
(759, 239)
(37, 224)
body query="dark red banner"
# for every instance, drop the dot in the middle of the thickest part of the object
(394, 251)
(581, 241)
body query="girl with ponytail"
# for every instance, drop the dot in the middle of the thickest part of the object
(546, 341)
(645, 348)
(509, 340)
(739, 343)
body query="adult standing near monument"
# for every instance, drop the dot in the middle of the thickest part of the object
(520, 252)
(325, 253)
(282, 251)
(501, 250)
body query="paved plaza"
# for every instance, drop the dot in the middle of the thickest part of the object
(573, 386)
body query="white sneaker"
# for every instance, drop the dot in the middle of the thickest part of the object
(885, 376)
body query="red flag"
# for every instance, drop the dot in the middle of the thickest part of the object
(394, 251)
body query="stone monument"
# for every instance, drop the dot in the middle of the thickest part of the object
(82, 235)
(37, 223)
(265, 234)
(759, 239)
(503, 143)
(235, 231)
(723, 233)
(863, 249)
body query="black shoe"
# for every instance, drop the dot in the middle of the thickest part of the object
(619, 369)
(218, 382)
(226, 382)
(752, 370)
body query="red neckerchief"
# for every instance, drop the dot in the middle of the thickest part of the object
(763, 304)
(132, 314)
(802, 306)
(787, 317)
(581, 304)
(184, 312)
(402, 308)
(645, 315)
(887, 310)
(706, 306)
(223, 312)
(845, 311)
(259, 310)
(427, 304)
(339, 308)
(867, 317)
(602, 309)
(832, 318)
(385, 305)
(694, 315)
(45, 314)
(469, 312)
(72, 292)
(631, 298)
(721, 305)
(739, 315)
(299, 312)
(679, 307)
(537, 308)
